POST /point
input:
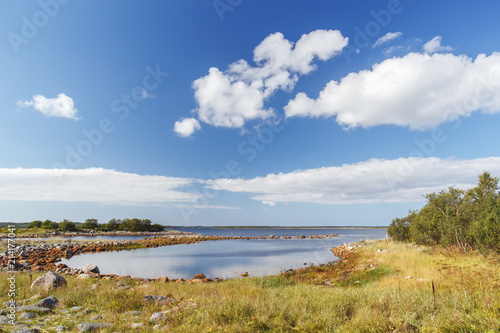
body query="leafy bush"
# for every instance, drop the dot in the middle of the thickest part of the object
(466, 219)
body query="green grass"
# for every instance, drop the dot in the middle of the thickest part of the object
(368, 293)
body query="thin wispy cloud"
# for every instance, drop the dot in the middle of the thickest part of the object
(60, 106)
(387, 38)
(434, 45)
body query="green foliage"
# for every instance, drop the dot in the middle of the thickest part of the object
(466, 219)
(66, 225)
(90, 224)
(49, 225)
(35, 224)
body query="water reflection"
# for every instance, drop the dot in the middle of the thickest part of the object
(223, 258)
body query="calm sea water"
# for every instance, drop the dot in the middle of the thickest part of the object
(226, 258)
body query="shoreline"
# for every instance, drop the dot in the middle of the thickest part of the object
(45, 257)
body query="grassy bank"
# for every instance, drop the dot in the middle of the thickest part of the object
(371, 291)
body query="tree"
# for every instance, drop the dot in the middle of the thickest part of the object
(90, 224)
(66, 225)
(113, 224)
(34, 224)
(49, 225)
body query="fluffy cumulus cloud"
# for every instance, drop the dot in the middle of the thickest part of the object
(94, 185)
(387, 38)
(232, 97)
(186, 127)
(61, 106)
(372, 181)
(434, 45)
(418, 90)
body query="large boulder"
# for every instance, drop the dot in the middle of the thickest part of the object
(48, 281)
(90, 268)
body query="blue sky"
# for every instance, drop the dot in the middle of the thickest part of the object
(243, 112)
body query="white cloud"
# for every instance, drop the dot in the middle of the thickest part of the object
(434, 45)
(416, 90)
(372, 181)
(387, 37)
(186, 127)
(95, 185)
(61, 106)
(232, 97)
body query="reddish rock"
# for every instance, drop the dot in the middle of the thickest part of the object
(199, 276)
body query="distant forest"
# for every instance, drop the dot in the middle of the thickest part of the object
(454, 217)
(133, 224)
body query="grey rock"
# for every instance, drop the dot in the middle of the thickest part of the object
(76, 308)
(98, 317)
(27, 330)
(27, 315)
(91, 327)
(90, 268)
(48, 302)
(48, 281)
(61, 329)
(157, 316)
(4, 319)
(84, 276)
(156, 327)
(158, 299)
(86, 311)
(137, 325)
(133, 313)
(32, 308)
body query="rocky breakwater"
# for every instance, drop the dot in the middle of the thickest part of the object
(44, 257)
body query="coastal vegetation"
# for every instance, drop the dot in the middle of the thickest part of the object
(468, 220)
(128, 224)
(379, 287)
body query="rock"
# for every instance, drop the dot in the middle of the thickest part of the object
(48, 302)
(93, 287)
(407, 328)
(162, 279)
(157, 316)
(137, 325)
(27, 315)
(4, 319)
(156, 327)
(90, 268)
(27, 330)
(91, 327)
(34, 297)
(48, 281)
(86, 311)
(199, 276)
(98, 317)
(32, 308)
(158, 299)
(244, 274)
(61, 329)
(133, 313)
(84, 276)
(409, 277)
(76, 308)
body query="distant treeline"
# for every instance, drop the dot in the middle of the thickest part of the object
(93, 224)
(466, 219)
